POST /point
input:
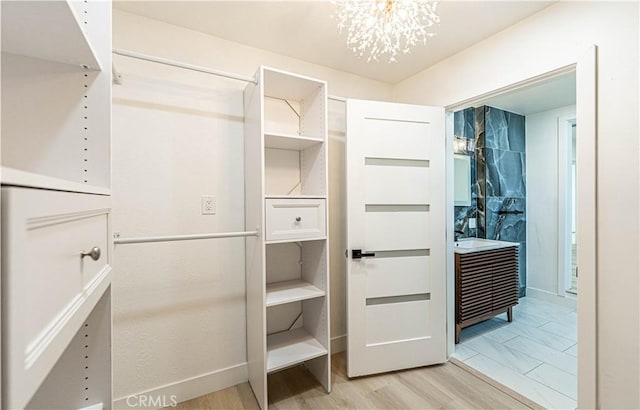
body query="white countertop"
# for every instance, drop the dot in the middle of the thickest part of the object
(468, 245)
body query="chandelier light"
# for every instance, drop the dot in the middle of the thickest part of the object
(385, 27)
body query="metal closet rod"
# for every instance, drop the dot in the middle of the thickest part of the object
(205, 70)
(149, 239)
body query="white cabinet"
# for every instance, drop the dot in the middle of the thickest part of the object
(295, 219)
(286, 195)
(56, 119)
(49, 288)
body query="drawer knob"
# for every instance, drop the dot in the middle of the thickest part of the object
(298, 219)
(94, 253)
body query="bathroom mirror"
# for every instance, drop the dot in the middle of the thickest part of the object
(462, 180)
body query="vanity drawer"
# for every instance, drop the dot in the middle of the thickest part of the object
(48, 287)
(295, 219)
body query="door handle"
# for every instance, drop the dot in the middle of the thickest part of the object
(358, 254)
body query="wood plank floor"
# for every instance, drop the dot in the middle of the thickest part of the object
(445, 386)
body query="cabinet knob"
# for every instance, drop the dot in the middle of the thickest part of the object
(94, 253)
(298, 219)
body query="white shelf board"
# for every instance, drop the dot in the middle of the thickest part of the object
(320, 238)
(47, 30)
(289, 348)
(289, 141)
(281, 84)
(295, 197)
(279, 293)
(16, 177)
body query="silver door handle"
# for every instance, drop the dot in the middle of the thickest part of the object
(94, 253)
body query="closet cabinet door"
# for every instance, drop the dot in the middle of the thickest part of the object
(55, 267)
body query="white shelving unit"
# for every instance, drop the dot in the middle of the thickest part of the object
(286, 195)
(56, 102)
(295, 346)
(55, 174)
(288, 291)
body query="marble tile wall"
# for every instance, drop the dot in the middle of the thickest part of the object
(464, 129)
(500, 165)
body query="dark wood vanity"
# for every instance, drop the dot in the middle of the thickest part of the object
(486, 285)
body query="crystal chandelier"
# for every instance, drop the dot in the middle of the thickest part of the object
(378, 27)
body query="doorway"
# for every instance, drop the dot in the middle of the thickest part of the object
(537, 332)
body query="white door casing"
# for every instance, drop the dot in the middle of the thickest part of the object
(396, 300)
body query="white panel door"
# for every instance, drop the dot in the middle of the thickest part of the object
(396, 309)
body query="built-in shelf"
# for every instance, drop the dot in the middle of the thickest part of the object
(296, 197)
(48, 30)
(286, 190)
(296, 240)
(16, 177)
(292, 142)
(279, 293)
(289, 348)
(280, 84)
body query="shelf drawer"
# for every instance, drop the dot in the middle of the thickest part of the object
(295, 219)
(45, 278)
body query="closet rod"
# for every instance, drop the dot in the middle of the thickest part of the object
(160, 60)
(148, 239)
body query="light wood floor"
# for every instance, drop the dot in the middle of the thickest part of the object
(445, 386)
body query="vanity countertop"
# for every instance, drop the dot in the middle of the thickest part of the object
(469, 245)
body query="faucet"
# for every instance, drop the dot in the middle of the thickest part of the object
(455, 235)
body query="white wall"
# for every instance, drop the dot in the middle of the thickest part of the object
(179, 308)
(542, 198)
(555, 37)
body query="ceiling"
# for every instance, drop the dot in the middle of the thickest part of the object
(552, 93)
(307, 31)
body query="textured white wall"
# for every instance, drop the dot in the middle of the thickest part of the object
(542, 198)
(179, 309)
(557, 36)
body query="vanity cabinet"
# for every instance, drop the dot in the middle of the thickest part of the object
(486, 285)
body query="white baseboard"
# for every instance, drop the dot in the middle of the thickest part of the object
(569, 300)
(338, 344)
(171, 394)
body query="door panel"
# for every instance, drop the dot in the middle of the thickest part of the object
(388, 231)
(396, 184)
(411, 139)
(394, 322)
(396, 276)
(395, 214)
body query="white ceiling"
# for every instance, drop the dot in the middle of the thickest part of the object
(553, 93)
(307, 31)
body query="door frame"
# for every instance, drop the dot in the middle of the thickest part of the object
(565, 202)
(585, 66)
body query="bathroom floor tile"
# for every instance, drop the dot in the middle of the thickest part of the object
(534, 355)
(514, 359)
(573, 350)
(548, 339)
(528, 318)
(463, 352)
(543, 308)
(557, 379)
(501, 334)
(546, 354)
(528, 387)
(565, 329)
